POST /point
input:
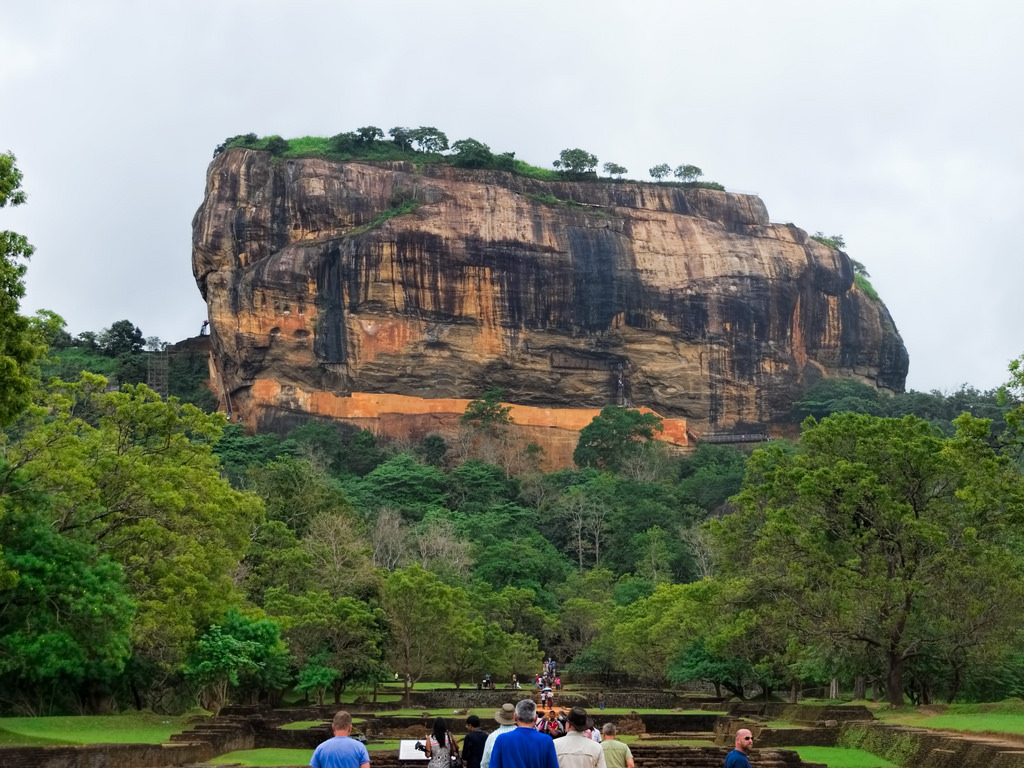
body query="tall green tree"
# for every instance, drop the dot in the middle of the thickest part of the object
(470, 153)
(576, 162)
(404, 484)
(614, 169)
(429, 139)
(65, 622)
(487, 413)
(121, 338)
(134, 476)
(660, 171)
(867, 536)
(421, 614)
(342, 635)
(613, 437)
(295, 492)
(688, 173)
(239, 653)
(18, 352)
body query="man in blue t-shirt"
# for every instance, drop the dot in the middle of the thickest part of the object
(524, 746)
(342, 751)
(744, 744)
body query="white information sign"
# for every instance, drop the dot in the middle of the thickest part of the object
(407, 750)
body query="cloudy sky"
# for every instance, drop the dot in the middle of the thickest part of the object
(896, 124)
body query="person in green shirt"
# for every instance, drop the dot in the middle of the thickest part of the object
(616, 754)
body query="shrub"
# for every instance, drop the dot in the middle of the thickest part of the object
(276, 146)
(894, 746)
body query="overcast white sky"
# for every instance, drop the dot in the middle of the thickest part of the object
(896, 124)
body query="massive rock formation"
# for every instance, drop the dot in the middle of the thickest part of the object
(325, 279)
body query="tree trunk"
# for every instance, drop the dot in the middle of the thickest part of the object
(954, 686)
(859, 688)
(833, 688)
(794, 692)
(894, 680)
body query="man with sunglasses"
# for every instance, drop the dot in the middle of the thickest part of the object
(744, 744)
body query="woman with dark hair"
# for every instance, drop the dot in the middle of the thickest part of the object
(440, 745)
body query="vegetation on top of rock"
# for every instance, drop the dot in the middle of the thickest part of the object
(860, 272)
(832, 241)
(576, 163)
(427, 144)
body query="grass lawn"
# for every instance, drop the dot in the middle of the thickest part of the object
(839, 757)
(142, 728)
(383, 745)
(265, 757)
(287, 757)
(485, 713)
(994, 717)
(631, 738)
(995, 722)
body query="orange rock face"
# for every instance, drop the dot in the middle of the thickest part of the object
(333, 282)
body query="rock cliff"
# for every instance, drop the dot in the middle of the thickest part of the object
(326, 279)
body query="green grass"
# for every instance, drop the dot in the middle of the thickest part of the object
(278, 757)
(993, 722)
(544, 174)
(636, 740)
(386, 745)
(995, 717)
(265, 757)
(303, 725)
(308, 145)
(90, 729)
(840, 757)
(862, 282)
(424, 686)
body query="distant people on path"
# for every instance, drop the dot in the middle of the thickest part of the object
(506, 720)
(744, 744)
(600, 700)
(523, 746)
(205, 329)
(616, 753)
(473, 744)
(342, 751)
(575, 750)
(440, 745)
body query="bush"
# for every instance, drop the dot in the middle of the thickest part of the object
(276, 146)
(894, 746)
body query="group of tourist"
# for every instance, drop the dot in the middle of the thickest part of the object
(525, 739)
(518, 742)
